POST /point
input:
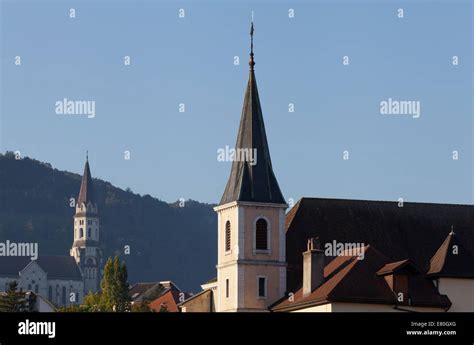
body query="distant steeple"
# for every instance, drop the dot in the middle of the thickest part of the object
(252, 181)
(86, 193)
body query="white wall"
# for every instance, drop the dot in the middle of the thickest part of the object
(459, 291)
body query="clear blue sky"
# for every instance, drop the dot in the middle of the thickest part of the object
(298, 60)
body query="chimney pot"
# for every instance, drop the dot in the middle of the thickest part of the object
(313, 266)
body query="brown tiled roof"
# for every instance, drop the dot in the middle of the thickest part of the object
(254, 183)
(392, 267)
(351, 280)
(86, 193)
(446, 263)
(414, 231)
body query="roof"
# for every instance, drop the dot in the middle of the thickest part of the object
(140, 290)
(86, 193)
(168, 300)
(10, 266)
(152, 290)
(57, 267)
(413, 231)
(393, 267)
(452, 259)
(252, 181)
(351, 280)
(60, 267)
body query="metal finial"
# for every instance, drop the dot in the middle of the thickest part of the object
(87, 155)
(251, 62)
(452, 230)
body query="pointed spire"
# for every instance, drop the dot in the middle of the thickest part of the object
(86, 193)
(252, 179)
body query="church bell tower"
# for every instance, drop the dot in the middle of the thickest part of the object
(85, 248)
(251, 267)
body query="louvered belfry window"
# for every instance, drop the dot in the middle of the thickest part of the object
(261, 235)
(227, 236)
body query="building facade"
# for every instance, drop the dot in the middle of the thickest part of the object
(271, 261)
(63, 280)
(85, 248)
(251, 267)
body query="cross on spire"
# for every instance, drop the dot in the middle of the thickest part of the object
(251, 62)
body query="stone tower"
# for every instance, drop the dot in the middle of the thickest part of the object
(251, 268)
(85, 248)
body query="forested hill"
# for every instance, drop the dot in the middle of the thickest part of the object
(167, 242)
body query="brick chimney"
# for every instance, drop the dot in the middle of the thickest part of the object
(313, 266)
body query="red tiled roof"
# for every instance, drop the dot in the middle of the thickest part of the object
(169, 300)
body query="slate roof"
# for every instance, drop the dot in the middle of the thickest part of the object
(57, 267)
(247, 182)
(414, 231)
(139, 291)
(86, 193)
(350, 280)
(452, 259)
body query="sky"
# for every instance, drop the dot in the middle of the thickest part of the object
(191, 60)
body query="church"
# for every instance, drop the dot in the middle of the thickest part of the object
(63, 280)
(412, 257)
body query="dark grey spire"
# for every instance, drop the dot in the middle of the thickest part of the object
(249, 181)
(86, 194)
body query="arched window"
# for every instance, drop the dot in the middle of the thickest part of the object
(81, 233)
(64, 295)
(261, 235)
(227, 236)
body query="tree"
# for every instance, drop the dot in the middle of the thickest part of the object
(122, 301)
(115, 286)
(13, 300)
(141, 307)
(106, 285)
(114, 291)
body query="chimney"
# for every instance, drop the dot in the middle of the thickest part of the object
(313, 266)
